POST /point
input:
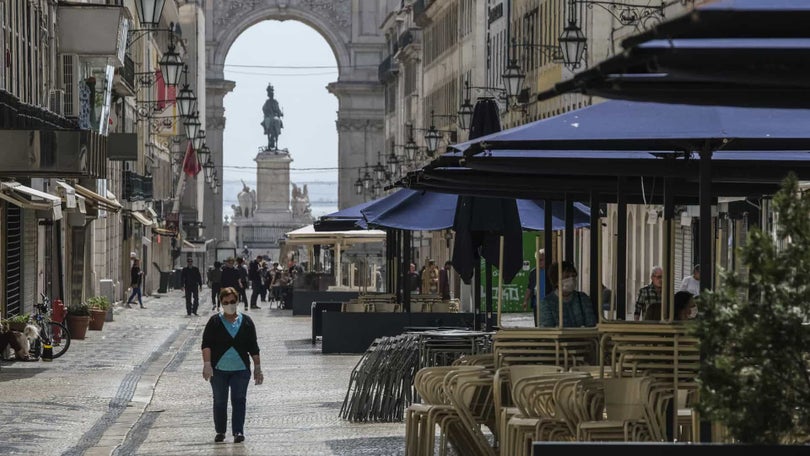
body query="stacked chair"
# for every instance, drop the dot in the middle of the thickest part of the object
(380, 385)
(665, 353)
(457, 400)
(372, 302)
(566, 348)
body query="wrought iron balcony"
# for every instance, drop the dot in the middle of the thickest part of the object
(387, 70)
(137, 187)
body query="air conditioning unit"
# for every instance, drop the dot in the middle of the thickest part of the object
(69, 77)
(56, 101)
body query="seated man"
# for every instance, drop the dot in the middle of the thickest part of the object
(577, 307)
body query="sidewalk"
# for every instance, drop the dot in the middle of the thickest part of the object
(136, 388)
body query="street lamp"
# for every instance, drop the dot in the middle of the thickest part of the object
(432, 138)
(572, 43)
(198, 141)
(192, 126)
(149, 11)
(171, 64)
(393, 162)
(358, 184)
(410, 147)
(186, 100)
(204, 155)
(513, 76)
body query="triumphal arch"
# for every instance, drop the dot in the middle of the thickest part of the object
(351, 28)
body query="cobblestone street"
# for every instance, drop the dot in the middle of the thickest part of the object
(136, 388)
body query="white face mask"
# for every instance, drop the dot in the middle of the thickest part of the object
(693, 313)
(229, 309)
(569, 285)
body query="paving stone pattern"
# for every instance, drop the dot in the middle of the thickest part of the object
(136, 388)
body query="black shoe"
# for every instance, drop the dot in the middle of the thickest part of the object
(255, 307)
(195, 314)
(238, 438)
(219, 438)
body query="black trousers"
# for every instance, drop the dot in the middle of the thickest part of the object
(256, 286)
(192, 299)
(215, 289)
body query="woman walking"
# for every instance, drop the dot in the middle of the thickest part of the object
(229, 342)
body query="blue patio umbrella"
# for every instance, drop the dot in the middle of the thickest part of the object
(419, 210)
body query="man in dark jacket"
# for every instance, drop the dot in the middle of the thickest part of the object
(215, 282)
(230, 276)
(255, 281)
(192, 282)
(243, 280)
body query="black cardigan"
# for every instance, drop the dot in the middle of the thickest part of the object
(217, 338)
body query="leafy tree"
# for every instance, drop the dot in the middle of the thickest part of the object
(755, 332)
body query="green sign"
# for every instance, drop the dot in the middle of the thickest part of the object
(513, 292)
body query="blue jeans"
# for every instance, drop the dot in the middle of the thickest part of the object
(237, 382)
(135, 291)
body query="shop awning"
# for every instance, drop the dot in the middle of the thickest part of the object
(163, 231)
(30, 198)
(308, 235)
(106, 203)
(142, 218)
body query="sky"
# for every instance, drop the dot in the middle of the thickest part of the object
(299, 63)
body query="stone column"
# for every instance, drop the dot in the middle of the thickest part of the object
(360, 133)
(216, 89)
(273, 181)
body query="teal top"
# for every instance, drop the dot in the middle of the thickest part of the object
(577, 311)
(231, 361)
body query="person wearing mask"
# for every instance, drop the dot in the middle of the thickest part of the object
(577, 308)
(529, 298)
(229, 342)
(692, 283)
(255, 281)
(135, 279)
(230, 276)
(648, 302)
(192, 282)
(215, 282)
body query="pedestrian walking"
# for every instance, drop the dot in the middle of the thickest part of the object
(255, 281)
(192, 282)
(243, 280)
(215, 282)
(135, 278)
(229, 341)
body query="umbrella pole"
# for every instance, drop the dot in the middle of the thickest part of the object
(537, 267)
(500, 280)
(559, 277)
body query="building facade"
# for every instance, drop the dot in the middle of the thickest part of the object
(92, 144)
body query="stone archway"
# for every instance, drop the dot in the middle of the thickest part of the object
(351, 31)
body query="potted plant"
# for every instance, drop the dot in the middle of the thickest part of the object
(78, 319)
(99, 305)
(17, 322)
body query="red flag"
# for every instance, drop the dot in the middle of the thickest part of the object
(191, 165)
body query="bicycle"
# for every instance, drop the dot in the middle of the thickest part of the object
(50, 332)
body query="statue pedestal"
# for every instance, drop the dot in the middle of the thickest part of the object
(274, 213)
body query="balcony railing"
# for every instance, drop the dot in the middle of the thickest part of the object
(137, 187)
(388, 69)
(406, 38)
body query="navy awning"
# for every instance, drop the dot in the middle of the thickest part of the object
(728, 72)
(414, 210)
(629, 125)
(346, 219)
(734, 18)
